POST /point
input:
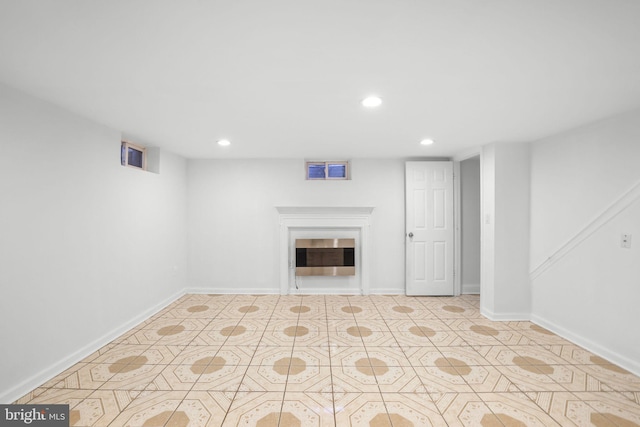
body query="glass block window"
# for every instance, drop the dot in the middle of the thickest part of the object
(327, 170)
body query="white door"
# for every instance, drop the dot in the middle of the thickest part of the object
(429, 228)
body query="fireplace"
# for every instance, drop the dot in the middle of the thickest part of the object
(344, 264)
(325, 257)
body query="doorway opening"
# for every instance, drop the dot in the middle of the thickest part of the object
(470, 224)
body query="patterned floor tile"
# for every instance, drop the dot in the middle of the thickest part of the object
(153, 408)
(412, 410)
(201, 409)
(307, 409)
(91, 376)
(100, 408)
(220, 376)
(613, 376)
(176, 377)
(134, 376)
(313, 356)
(442, 379)
(355, 373)
(260, 409)
(529, 378)
(361, 409)
(581, 409)
(58, 396)
(195, 354)
(266, 378)
(516, 409)
(486, 379)
(334, 360)
(28, 397)
(308, 378)
(464, 409)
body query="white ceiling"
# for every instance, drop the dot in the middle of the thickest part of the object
(284, 78)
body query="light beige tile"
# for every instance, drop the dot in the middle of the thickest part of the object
(529, 378)
(308, 378)
(150, 408)
(266, 378)
(314, 356)
(355, 374)
(485, 379)
(371, 338)
(309, 409)
(379, 360)
(255, 409)
(342, 310)
(480, 336)
(28, 397)
(100, 408)
(269, 355)
(613, 376)
(161, 354)
(380, 325)
(176, 377)
(220, 376)
(516, 409)
(134, 376)
(195, 354)
(120, 352)
(361, 409)
(442, 379)
(69, 397)
(465, 409)
(412, 409)
(463, 356)
(90, 376)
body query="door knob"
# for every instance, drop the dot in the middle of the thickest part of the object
(410, 235)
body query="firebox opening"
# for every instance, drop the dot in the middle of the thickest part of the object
(325, 257)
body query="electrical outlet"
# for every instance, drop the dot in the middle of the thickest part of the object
(625, 241)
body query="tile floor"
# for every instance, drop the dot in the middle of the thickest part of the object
(228, 360)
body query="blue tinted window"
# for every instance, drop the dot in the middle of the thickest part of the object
(316, 171)
(135, 157)
(337, 171)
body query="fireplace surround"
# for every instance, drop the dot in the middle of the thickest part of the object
(299, 223)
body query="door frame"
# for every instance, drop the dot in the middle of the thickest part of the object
(457, 217)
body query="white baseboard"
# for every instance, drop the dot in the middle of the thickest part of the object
(387, 291)
(324, 291)
(43, 376)
(632, 366)
(505, 317)
(471, 288)
(239, 291)
(302, 291)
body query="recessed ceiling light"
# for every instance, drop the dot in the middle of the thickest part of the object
(224, 142)
(426, 141)
(372, 101)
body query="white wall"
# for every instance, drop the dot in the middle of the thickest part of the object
(470, 224)
(88, 248)
(585, 286)
(505, 288)
(233, 222)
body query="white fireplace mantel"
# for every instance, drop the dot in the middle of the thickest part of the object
(324, 217)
